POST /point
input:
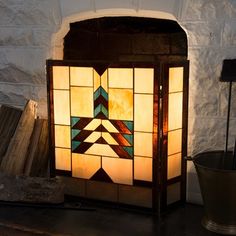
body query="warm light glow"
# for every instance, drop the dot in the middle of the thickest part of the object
(93, 137)
(97, 80)
(81, 76)
(61, 101)
(62, 136)
(63, 159)
(108, 125)
(120, 104)
(174, 165)
(104, 82)
(120, 77)
(127, 107)
(142, 168)
(120, 170)
(101, 150)
(176, 79)
(85, 166)
(82, 102)
(93, 124)
(143, 112)
(143, 80)
(174, 141)
(60, 77)
(175, 111)
(143, 144)
(109, 139)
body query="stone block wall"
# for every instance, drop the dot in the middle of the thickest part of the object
(26, 28)
(27, 39)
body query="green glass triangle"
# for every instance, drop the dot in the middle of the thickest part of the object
(74, 120)
(129, 138)
(97, 93)
(129, 125)
(104, 93)
(75, 144)
(97, 110)
(129, 150)
(74, 132)
(104, 111)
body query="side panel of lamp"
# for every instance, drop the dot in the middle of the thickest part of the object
(175, 110)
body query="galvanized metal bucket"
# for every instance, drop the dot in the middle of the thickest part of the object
(218, 186)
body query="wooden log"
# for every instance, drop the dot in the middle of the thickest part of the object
(14, 160)
(30, 189)
(9, 118)
(38, 152)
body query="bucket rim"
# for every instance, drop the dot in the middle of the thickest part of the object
(195, 157)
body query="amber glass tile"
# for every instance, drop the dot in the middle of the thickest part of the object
(143, 112)
(176, 79)
(85, 166)
(174, 166)
(120, 77)
(174, 141)
(62, 136)
(142, 168)
(143, 80)
(120, 104)
(143, 144)
(81, 76)
(101, 150)
(119, 170)
(63, 159)
(81, 102)
(175, 110)
(61, 104)
(60, 77)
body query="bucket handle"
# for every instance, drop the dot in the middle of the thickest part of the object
(188, 158)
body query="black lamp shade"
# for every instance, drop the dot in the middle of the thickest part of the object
(228, 73)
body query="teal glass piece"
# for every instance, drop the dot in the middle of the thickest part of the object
(74, 133)
(74, 120)
(100, 109)
(97, 93)
(129, 125)
(129, 138)
(129, 150)
(104, 93)
(75, 144)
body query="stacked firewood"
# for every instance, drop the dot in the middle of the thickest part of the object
(23, 141)
(24, 158)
